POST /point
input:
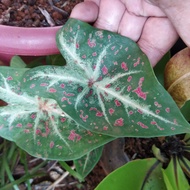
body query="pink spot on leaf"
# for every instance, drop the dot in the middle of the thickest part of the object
(94, 54)
(99, 114)
(68, 94)
(137, 62)
(84, 118)
(108, 86)
(157, 111)
(129, 78)
(9, 78)
(38, 131)
(129, 88)
(33, 116)
(116, 52)
(62, 85)
(43, 84)
(105, 128)
(168, 110)
(29, 125)
(139, 91)
(113, 47)
(63, 119)
(130, 112)
(32, 85)
(91, 43)
(157, 104)
(119, 122)
(65, 99)
(111, 111)
(84, 56)
(117, 88)
(73, 136)
(19, 125)
(52, 90)
(154, 123)
(140, 111)
(51, 144)
(142, 125)
(105, 70)
(117, 103)
(26, 131)
(124, 66)
(77, 46)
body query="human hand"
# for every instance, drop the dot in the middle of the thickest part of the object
(142, 21)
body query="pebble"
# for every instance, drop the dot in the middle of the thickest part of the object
(23, 12)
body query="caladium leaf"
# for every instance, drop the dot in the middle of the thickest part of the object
(85, 164)
(39, 125)
(108, 85)
(111, 85)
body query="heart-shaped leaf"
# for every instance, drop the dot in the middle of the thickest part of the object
(106, 89)
(116, 92)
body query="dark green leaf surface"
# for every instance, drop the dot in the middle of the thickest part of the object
(132, 175)
(85, 164)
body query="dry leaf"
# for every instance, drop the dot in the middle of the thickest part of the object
(177, 77)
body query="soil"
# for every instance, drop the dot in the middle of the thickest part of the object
(35, 13)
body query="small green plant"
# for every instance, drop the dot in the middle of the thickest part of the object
(106, 90)
(167, 171)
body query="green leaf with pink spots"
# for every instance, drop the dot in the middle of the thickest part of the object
(38, 125)
(112, 86)
(107, 86)
(106, 90)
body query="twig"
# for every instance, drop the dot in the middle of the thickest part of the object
(59, 180)
(47, 16)
(64, 13)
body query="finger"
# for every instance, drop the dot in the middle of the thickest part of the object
(143, 8)
(131, 26)
(110, 15)
(179, 14)
(157, 38)
(86, 11)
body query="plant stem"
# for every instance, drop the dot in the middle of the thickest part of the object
(3, 161)
(22, 179)
(9, 174)
(24, 162)
(71, 171)
(29, 175)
